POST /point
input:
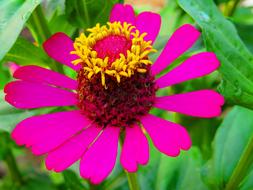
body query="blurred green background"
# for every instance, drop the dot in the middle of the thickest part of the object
(222, 152)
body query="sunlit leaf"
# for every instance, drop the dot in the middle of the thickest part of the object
(13, 15)
(221, 37)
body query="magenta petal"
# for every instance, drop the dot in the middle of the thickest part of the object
(98, 162)
(202, 103)
(135, 149)
(45, 132)
(72, 150)
(41, 75)
(122, 13)
(150, 23)
(59, 47)
(196, 66)
(27, 95)
(167, 137)
(180, 41)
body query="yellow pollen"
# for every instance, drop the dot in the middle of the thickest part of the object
(135, 60)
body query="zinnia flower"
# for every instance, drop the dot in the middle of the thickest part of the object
(112, 95)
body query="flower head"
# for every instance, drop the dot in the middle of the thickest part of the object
(117, 50)
(114, 91)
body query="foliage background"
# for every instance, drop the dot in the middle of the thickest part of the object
(222, 152)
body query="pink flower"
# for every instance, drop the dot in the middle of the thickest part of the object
(113, 93)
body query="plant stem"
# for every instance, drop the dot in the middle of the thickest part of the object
(231, 7)
(242, 167)
(132, 181)
(84, 11)
(13, 168)
(10, 160)
(131, 177)
(39, 27)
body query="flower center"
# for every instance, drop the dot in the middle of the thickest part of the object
(118, 105)
(117, 50)
(115, 86)
(112, 46)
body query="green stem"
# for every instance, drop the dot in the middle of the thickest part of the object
(85, 12)
(131, 177)
(39, 27)
(231, 7)
(13, 168)
(242, 167)
(10, 160)
(132, 181)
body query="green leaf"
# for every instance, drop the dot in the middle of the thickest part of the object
(221, 37)
(5, 75)
(247, 182)
(13, 15)
(25, 53)
(245, 32)
(52, 6)
(72, 181)
(233, 148)
(163, 172)
(172, 17)
(87, 13)
(243, 15)
(59, 23)
(181, 172)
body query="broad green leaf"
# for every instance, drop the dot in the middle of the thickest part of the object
(245, 32)
(25, 53)
(181, 172)
(233, 148)
(221, 37)
(13, 15)
(87, 13)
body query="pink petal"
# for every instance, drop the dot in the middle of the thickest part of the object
(98, 162)
(27, 95)
(122, 13)
(150, 23)
(202, 103)
(59, 46)
(72, 150)
(135, 149)
(45, 132)
(180, 41)
(41, 75)
(196, 66)
(167, 137)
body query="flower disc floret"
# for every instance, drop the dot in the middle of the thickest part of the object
(98, 56)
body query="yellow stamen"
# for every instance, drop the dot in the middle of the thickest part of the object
(125, 66)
